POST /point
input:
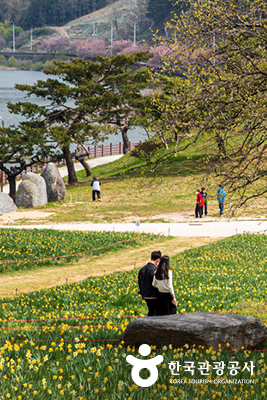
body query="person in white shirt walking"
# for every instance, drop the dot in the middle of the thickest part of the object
(95, 188)
(162, 280)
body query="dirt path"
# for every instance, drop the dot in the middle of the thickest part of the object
(25, 281)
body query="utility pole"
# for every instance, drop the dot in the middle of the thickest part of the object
(14, 46)
(94, 30)
(111, 38)
(31, 41)
(134, 33)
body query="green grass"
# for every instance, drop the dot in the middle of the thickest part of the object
(129, 194)
(30, 248)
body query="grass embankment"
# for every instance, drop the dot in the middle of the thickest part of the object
(79, 358)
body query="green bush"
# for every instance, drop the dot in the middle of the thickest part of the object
(12, 62)
(2, 60)
(25, 67)
(38, 66)
(146, 149)
(48, 64)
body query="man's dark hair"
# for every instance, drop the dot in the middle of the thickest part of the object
(155, 255)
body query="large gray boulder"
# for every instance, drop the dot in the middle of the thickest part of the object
(6, 204)
(31, 191)
(56, 190)
(200, 329)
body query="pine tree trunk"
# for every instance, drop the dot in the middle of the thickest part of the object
(80, 155)
(12, 187)
(125, 139)
(72, 178)
(86, 166)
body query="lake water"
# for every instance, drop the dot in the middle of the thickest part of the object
(8, 79)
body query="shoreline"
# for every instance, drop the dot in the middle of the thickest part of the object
(6, 68)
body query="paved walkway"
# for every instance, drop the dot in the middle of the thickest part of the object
(205, 229)
(94, 162)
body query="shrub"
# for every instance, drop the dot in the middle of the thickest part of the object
(24, 66)
(146, 149)
(38, 66)
(12, 62)
(2, 59)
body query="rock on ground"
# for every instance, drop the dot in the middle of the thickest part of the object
(31, 191)
(6, 204)
(200, 329)
(56, 190)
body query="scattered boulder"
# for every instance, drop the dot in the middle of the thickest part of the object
(56, 190)
(6, 204)
(31, 191)
(200, 329)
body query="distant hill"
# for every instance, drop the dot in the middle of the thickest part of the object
(122, 14)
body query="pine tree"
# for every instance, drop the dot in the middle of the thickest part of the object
(85, 98)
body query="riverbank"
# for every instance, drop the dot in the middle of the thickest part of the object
(5, 68)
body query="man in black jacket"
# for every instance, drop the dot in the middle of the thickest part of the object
(145, 276)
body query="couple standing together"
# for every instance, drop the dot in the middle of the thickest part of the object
(156, 287)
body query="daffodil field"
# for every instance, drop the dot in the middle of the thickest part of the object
(65, 342)
(19, 248)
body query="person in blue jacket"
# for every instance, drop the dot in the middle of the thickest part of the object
(220, 198)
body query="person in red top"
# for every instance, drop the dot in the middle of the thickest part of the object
(199, 205)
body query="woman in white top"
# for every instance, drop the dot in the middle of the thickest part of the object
(163, 281)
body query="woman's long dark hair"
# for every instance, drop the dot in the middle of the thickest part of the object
(163, 268)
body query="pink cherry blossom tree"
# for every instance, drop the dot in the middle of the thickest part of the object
(134, 49)
(118, 46)
(89, 47)
(52, 44)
